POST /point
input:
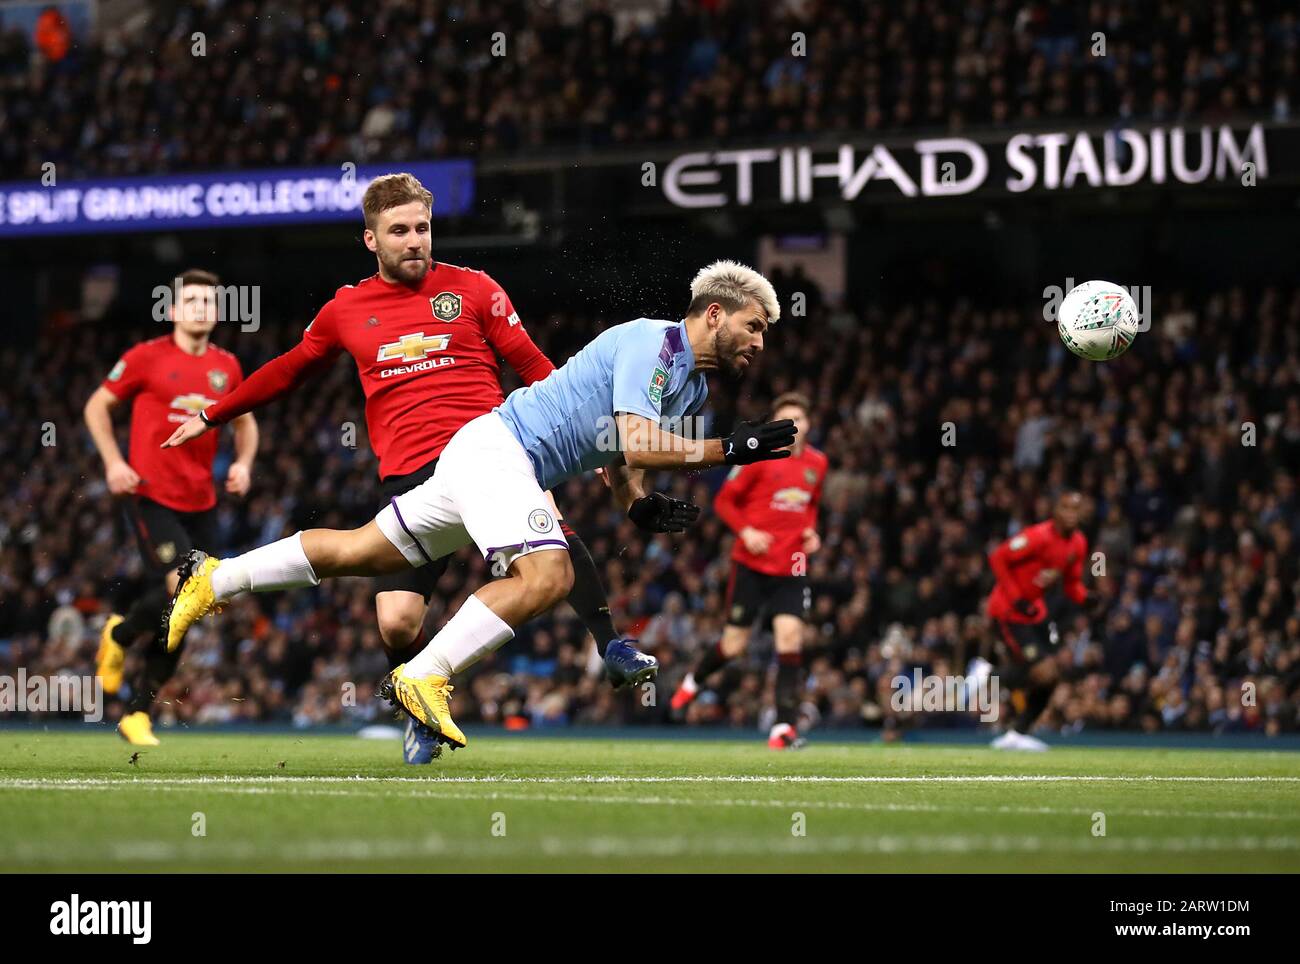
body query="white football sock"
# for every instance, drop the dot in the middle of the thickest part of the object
(280, 565)
(468, 636)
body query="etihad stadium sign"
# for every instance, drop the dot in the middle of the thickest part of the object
(954, 166)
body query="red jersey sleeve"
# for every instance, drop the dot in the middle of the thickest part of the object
(727, 503)
(506, 334)
(1073, 586)
(320, 345)
(127, 378)
(1021, 546)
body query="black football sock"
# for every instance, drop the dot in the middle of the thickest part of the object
(712, 661)
(788, 666)
(159, 666)
(143, 618)
(1012, 676)
(587, 597)
(1036, 701)
(404, 654)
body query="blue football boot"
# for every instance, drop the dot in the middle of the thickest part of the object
(419, 743)
(628, 666)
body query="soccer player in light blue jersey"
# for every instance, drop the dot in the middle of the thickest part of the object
(616, 404)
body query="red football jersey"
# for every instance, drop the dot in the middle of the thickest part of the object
(427, 359)
(1017, 563)
(166, 387)
(780, 497)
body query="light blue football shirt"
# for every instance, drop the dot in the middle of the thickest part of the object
(565, 422)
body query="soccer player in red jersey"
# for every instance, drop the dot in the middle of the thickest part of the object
(772, 507)
(425, 336)
(1026, 567)
(169, 496)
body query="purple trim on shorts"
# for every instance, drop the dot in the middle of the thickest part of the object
(402, 522)
(527, 542)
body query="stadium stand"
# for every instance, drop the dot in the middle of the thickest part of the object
(303, 82)
(1202, 526)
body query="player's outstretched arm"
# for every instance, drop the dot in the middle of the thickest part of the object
(319, 347)
(186, 431)
(653, 512)
(277, 377)
(646, 446)
(625, 484)
(759, 442)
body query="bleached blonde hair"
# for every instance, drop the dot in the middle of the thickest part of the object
(733, 285)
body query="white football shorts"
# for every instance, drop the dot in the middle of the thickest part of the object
(484, 491)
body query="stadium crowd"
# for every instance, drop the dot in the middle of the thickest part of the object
(1187, 449)
(205, 85)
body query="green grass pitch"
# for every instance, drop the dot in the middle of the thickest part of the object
(72, 802)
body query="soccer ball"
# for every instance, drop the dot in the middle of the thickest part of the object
(1098, 320)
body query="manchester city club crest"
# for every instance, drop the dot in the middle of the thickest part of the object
(446, 306)
(218, 380)
(539, 520)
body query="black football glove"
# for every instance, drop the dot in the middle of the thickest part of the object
(658, 513)
(751, 442)
(1024, 607)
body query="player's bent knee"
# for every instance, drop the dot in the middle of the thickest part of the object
(789, 644)
(548, 576)
(789, 634)
(1044, 673)
(734, 641)
(400, 621)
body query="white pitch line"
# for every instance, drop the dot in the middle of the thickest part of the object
(28, 783)
(421, 788)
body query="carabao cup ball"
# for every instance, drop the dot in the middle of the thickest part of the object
(1098, 320)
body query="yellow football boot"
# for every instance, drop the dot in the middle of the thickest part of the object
(110, 657)
(137, 729)
(426, 700)
(194, 597)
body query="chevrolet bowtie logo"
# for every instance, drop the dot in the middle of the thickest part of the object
(192, 403)
(412, 347)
